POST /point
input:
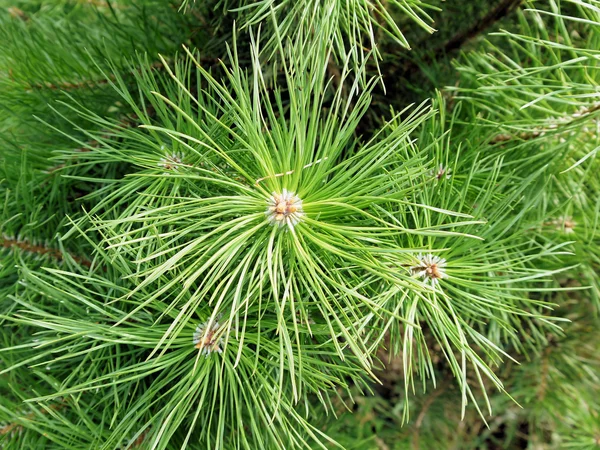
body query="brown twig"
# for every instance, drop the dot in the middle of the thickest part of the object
(41, 250)
(67, 86)
(334, 72)
(72, 158)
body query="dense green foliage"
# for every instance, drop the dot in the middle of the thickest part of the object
(299, 224)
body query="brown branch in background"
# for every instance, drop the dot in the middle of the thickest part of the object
(426, 405)
(124, 123)
(41, 250)
(68, 86)
(74, 157)
(501, 10)
(392, 371)
(529, 135)
(200, 18)
(127, 122)
(524, 136)
(10, 428)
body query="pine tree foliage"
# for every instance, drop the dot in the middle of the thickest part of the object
(211, 238)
